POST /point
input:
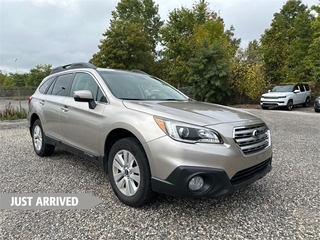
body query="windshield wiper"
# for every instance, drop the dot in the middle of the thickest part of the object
(139, 99)
(166, 99)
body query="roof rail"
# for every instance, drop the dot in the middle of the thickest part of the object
(72, 66)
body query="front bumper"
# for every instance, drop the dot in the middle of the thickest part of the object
(280, 102)
(216, 181)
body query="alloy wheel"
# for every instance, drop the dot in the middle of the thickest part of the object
(126, 172)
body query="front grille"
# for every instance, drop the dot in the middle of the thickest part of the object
(270, 97)
(247, 173)
(252, 139)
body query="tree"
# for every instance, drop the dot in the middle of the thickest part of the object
(130, 41)
(176, 35)
(280, 42)
(37, 74)
(2, 77)
(313, 58)
(18, 79)
(127, 48)
(295, 64)
(209, 73)
(144, 12)
(7, 81)
(252, 53)
(182, 39)
(248, 79)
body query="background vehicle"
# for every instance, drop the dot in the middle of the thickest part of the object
(287, 96)
(146, 135)
(317, 104)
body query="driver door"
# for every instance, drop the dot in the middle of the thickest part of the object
(80, 125)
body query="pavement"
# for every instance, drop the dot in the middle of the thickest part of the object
(285, 204)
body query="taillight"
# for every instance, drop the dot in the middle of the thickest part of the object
(29, 100)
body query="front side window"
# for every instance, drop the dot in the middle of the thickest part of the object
(84, 81)
(60, 87)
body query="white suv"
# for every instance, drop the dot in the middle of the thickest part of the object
(287, 96)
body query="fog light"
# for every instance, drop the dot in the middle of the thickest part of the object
(196, 183)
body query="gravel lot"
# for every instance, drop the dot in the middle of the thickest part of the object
(283, 205)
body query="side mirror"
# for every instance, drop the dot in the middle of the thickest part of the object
(296, 91)
(269, 90)
(84, 96)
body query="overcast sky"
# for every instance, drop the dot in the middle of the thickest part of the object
(59, 32)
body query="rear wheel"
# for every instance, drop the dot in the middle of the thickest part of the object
(129, 172)
(289, 105)
(307, 102)
(40, 146)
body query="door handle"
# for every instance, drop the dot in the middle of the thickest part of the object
(65, 109)
(42, 102)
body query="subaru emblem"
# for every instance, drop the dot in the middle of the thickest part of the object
(256, 134)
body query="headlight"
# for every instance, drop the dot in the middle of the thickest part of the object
(282, 96)
(184, 132)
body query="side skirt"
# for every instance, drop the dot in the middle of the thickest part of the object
(76, 151)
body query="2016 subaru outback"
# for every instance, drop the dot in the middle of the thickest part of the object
(146, 135)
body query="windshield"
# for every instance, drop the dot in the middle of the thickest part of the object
(136, 86)
(284, 88)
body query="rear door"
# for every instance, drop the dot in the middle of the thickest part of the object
(80, 125)
(297, 98)
(50, 105)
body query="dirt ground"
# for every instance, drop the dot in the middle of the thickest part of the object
(257, 106)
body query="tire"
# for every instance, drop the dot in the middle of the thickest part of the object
(289, 105)
(307, 102)
(264, 108)
(130, 180)
(40, 146)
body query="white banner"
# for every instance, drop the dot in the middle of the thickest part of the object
(48, 201)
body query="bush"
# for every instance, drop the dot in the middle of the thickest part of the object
(10, 113)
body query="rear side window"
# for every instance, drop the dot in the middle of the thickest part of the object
(61, 85)
(307, 87)
(43, 88)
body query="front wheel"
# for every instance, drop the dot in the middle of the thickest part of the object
(129, 172)
(289, 105)
(40, 146)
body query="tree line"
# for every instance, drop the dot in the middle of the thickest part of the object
(193, 48)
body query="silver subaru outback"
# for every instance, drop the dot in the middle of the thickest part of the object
(146, 135)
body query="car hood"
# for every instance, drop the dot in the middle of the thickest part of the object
(199, 113)
(275, 94)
